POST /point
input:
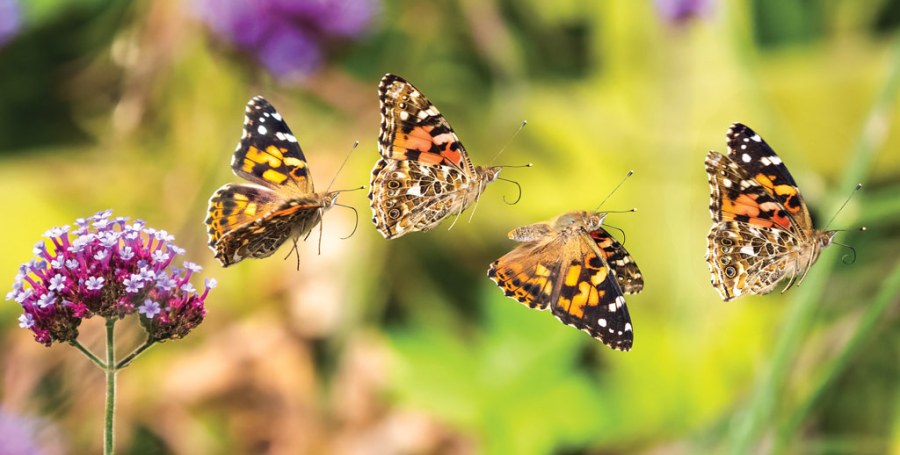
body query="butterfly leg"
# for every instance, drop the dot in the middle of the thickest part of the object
(461, 208)
(321, 220)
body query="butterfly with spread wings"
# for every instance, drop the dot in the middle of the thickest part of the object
(572, 266)
(254, 219)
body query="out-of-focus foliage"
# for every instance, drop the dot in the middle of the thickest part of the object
(406, 346)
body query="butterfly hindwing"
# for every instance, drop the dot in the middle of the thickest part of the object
(268, 153)
(413, 197)
(234, 205)
(627, 273)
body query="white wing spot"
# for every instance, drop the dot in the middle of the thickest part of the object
(620, 301)
(262, 130)
(775, 160)
(612, 307)
(756, 138)
(628, 327)
(290, 137)
(746, 157)
(602, 322)
(276, 116)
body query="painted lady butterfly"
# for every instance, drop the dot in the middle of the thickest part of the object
(574, 267)
(424, 174)
(253, 220)
(762, 231)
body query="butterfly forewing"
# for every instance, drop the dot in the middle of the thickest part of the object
(268, 153)
(413, 129)
(761, 163)
(735, 195)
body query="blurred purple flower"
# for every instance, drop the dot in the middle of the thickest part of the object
(680, 12)
(111, 268)
(20, 434)
(10, 20)
(288, 37)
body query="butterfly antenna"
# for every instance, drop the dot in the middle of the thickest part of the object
(518, 187)
(858, 186)
(629, 174)
(618, 229)
(356, 224)
(346, 158)
(524, 122)
(851, 255)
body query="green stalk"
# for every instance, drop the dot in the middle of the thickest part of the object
(887, 295)
(750, 426)
(130, 357)
(108, 434)
(87, 353)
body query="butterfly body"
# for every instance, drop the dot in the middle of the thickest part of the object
(424, 174)
(762, 231)
(254, 220)
(573, 267)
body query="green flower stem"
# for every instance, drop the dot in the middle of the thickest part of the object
(887, 295)
(130, 357)
(108, 434)
(87, 353)
(749, 426)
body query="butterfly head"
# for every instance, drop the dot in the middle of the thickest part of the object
(591, 221)
(488, 173)
(824, 238)
(329, 199)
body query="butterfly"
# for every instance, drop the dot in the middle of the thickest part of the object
(253, 220)
(424, 174)
(574, 267)
(762, 231)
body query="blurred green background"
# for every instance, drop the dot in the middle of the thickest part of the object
(406, 346)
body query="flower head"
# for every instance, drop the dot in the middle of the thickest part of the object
(680, 12)
(288, 37)
(109, 268)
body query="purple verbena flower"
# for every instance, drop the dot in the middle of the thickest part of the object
(288, 37)
(10, 20)
(26, 321)
(680, 12)
(94, 283)
(46, 300)
(150, 308)
(109, 268)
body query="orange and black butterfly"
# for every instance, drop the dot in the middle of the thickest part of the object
(251, 220)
